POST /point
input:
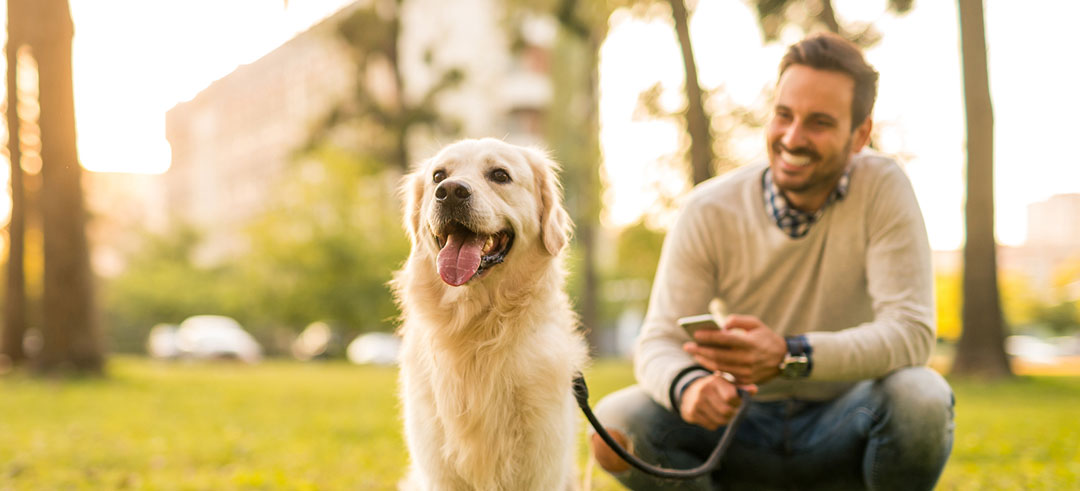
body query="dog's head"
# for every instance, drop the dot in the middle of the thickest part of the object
(478, 203)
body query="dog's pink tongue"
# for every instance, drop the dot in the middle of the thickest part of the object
(460, 258)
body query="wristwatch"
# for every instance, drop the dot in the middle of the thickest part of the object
(797, 361)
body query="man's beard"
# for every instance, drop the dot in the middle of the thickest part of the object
(814, 181)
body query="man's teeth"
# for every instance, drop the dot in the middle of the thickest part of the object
(796, 160)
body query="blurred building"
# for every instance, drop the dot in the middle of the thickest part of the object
(232, 142)
(1053, 238)
(1055, 222)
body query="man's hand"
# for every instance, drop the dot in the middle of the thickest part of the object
(745, 347)
(711, 401)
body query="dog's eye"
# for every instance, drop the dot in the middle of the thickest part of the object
(500, 176)
(439, 176)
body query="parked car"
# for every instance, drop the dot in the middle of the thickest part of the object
(161, 343)
(376, 348)
(318, 340)
(204, 337)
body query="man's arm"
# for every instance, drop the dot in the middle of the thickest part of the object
(900, 283)
(684, 284)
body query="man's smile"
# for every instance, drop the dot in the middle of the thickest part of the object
(795, 160)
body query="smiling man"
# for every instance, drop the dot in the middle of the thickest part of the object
(816, 265)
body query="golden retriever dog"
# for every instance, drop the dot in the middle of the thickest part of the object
(490, 343)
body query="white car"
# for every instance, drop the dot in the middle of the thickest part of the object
(161, 343)
(206, 337)
(374, 348)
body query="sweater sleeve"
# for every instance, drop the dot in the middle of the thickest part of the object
(684, 285)
(900, 283)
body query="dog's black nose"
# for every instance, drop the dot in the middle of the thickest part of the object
(452, 192)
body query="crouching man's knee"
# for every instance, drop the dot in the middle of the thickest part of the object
(912, 441)
(920, 400)
(605, 456)
(623, 413)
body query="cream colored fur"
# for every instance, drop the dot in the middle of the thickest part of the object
(486, 366)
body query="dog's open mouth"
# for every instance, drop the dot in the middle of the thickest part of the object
(464, 254)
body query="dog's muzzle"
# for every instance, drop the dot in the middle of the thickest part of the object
(464, 252)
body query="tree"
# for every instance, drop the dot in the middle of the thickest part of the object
(573, 131)
(70, 332)
(811, 15)
(384, 119)
(14, 327)
(981, 350)
(697, 120)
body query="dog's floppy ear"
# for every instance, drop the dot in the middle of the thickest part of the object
(555, 224)
(412, 193)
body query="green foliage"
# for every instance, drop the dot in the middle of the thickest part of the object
(947, 294)
(1060, 318)
(1018, 297)
(1023, 305)
(627, 274)
(1056, 309)
(327, 249)
(162, 284)
(638, 251)
(286, 425)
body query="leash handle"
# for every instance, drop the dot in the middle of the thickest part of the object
(581, 393)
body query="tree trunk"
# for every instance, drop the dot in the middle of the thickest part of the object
(827, 16)
(576, 98)
(697, 123)
(11, 342)
(981, 350)
(69, 328)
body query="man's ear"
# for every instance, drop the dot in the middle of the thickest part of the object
(555, 224)
(861, 135)
(412, 193)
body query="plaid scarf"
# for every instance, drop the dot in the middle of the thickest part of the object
(793, 221)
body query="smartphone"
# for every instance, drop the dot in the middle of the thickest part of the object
(695, 323)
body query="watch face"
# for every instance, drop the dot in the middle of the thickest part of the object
(795, 366)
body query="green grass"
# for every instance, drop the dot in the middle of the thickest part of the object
(330, 426)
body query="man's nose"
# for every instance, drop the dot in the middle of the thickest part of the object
(793, 136)
(452, 193)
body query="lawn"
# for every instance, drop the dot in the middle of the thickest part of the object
(330, 426)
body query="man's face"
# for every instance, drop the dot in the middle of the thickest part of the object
(810, 137)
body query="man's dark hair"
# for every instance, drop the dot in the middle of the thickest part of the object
(831, 52)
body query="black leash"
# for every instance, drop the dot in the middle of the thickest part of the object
(581, 393)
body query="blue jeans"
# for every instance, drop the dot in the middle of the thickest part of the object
(895, 432)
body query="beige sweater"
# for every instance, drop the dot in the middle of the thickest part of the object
(859, 284)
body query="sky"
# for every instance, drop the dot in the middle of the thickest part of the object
(135, 59)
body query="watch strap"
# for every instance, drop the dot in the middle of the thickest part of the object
(798, 345)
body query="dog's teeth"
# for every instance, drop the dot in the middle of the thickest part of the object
(489, 244)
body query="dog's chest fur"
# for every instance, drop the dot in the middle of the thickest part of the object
(498, 392)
